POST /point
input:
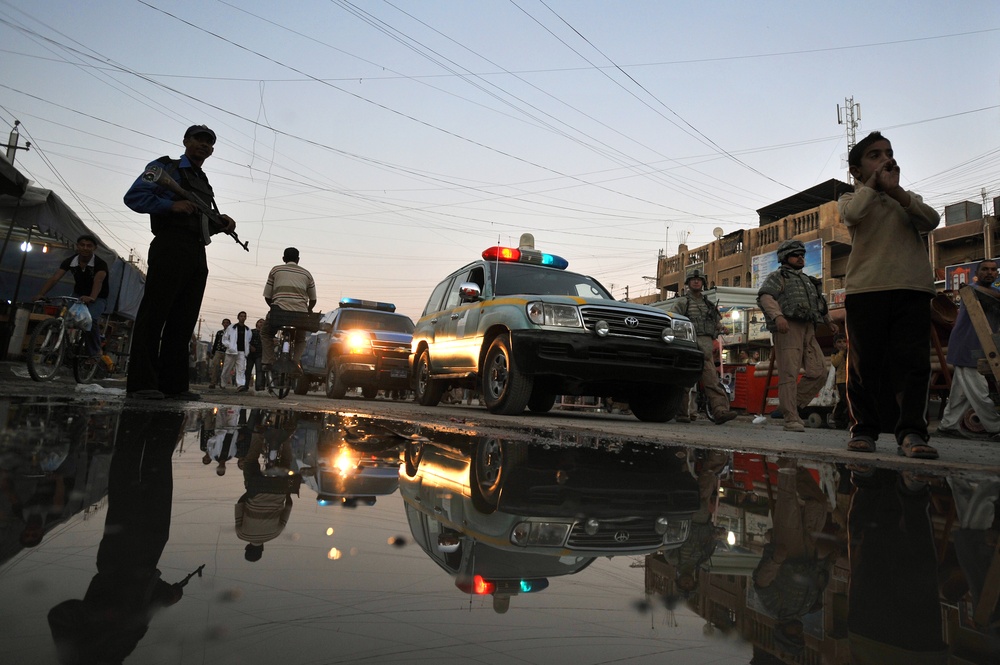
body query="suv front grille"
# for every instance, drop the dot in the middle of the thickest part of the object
(394, 349)
(650, 325)
(631, 533)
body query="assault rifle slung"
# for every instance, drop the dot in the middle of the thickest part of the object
(210, 219)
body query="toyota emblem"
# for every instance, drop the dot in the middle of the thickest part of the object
(621, 536)
(631, 321)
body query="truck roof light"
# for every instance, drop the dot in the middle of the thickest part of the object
(524, 255)
(367, 304)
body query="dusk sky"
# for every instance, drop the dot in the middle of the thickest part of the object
(391, 142)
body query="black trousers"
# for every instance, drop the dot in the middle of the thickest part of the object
(888, 362)
(175, 284)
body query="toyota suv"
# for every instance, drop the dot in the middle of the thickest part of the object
(363, 344)
(522, 329)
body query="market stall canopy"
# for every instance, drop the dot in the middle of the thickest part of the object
(23, 273)
(12, 182)
(44, 210)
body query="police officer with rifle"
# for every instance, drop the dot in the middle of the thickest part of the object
(179, 200)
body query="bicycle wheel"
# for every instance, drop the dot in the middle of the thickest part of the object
(47, 349)
(282, 385)
(84, 364)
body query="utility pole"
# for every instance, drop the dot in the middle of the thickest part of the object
(12, 143)
(850, 115)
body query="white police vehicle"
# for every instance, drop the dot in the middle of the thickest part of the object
(522, 329)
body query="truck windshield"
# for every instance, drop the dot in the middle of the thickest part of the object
(371, 320)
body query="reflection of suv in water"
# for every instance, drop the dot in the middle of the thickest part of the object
(552, 500)
(522, 329)
(360, 344)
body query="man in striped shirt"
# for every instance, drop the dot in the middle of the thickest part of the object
(289, 287)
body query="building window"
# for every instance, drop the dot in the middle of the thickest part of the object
(736, 281)
(725, 281)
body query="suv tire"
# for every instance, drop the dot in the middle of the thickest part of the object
(506, 389)
(335, 388)
(657, 405)
(541, 401)
(427, 391)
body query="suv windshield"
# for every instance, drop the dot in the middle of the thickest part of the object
(519, 279)
(371, 320)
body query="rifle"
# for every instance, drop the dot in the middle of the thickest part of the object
(157, 176)
(183, 583)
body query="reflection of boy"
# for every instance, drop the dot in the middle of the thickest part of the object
(888, 283)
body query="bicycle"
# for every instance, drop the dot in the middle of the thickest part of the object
(55, 341)
(285, 373)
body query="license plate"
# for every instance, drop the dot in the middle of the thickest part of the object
(398, 373)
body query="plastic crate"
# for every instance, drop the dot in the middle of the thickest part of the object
(281, 318)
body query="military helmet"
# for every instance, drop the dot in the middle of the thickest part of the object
(789, 247)
(695, 274)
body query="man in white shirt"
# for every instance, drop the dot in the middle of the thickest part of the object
(236, 340)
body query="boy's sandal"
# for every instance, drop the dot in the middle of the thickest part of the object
(861, 444)
(914, 447)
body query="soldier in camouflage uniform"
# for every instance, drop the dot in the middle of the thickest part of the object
(793, 304)
(705, 316)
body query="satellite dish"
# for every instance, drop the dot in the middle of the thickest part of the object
(717, 232)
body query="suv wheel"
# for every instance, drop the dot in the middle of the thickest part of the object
(369, 392)
(506, 389)
(427, 391)
(541, 401)
(335, 387)
(657, 405)
(302, 385)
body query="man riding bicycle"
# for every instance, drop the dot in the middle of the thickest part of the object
(291, 288)
(90, 285)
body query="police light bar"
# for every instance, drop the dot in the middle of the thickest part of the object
(481, 586)
(367, 304)
(515, 255)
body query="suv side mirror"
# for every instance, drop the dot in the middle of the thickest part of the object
(469, 292)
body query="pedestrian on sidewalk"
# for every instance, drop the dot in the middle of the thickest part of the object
(968, 387)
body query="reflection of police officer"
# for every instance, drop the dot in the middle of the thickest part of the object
(114, 614)
(707, 319)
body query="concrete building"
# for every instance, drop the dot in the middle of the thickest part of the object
(733, 261)
(965, 235)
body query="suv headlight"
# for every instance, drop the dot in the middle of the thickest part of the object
(549, 314)
(540, 534)
(679, 329)
(673, 530)
(359, 342)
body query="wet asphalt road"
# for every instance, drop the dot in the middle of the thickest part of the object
(957, 456)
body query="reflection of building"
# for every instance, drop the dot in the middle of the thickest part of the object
(724, 597)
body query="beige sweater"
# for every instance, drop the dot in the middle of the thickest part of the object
(887, 250)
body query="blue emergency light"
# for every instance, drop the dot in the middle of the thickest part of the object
(367, 304)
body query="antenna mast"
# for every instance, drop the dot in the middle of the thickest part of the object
(850, 115)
